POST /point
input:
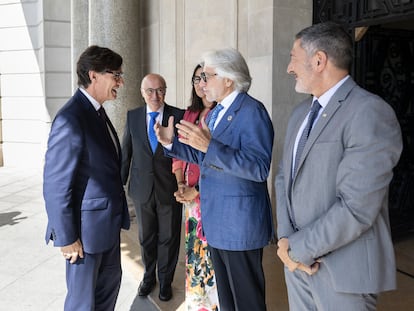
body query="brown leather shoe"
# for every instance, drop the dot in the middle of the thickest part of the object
(145, 288)
(165, 293)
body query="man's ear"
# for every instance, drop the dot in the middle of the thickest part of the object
(92, 75)
(228, 82)
(320, 60)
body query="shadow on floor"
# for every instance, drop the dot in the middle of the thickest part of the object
(10, 218)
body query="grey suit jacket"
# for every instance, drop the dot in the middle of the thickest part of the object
(336, 206)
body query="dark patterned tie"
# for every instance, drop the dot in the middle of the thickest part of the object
(305, 134)
(213, 117)
(102, 114)
(110, 128)
(151, 133)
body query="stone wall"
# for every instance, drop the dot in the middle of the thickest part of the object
(35, 74)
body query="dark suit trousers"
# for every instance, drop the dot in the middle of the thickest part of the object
(240, 279)
(159, 227)
(93, 282)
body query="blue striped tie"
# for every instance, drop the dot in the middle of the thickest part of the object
(213, 117)
(305, 134)
(151, 133)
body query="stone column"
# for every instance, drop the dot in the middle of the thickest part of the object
(79, 33)
(115, 24)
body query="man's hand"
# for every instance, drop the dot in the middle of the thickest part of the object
(283, 253)
(73, 251)
(191, 134)
(165, 135)
(185, 194)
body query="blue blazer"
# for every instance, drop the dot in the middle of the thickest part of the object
(82, 185)
(235, 207)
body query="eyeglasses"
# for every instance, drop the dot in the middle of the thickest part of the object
(206, 76)
(117, 75)
(160, 91)
(196, 80)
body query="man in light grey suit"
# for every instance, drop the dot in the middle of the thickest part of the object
(332, 205)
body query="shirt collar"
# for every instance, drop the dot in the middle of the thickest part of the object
(226, 102)
(326, 97)
(161, 110)
(93, 101)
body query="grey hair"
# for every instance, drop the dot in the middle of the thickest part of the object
(229, 63)
(330, 38)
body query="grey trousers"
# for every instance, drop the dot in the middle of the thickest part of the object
(316, 293)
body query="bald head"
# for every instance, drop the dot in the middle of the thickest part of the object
(153, 89)
(153, 78)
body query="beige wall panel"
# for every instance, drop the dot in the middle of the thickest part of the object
(23, 108)
(21, 85)
(22, 131)
(57, 33)
(26, 61)
(58, 59)
(57, 10)
(22, 155)
(17, 14)
(58, 85)
(261, 71)
(20, 38)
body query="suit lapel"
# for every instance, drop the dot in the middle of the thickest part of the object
(229, 115)
(142, 129)
(297, 123)
(117, 148)
(333, 105)
(100, 124)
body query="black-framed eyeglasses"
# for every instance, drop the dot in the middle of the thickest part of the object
(196, 80)
(206, 76)
(117, 74)
(160, 91)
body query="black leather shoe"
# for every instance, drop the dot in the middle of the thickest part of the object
(145, 288)
(165, 293)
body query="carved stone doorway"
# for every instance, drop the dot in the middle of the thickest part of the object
(383, 32)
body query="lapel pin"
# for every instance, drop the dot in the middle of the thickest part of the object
(324, 115)
(229, 118)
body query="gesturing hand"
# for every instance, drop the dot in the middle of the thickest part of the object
(165, 135)
(191, 134)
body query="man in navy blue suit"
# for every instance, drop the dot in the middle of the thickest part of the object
(234, 151)
(83, 191)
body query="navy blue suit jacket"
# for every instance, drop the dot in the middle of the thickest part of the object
(82, 187)
(235, 207)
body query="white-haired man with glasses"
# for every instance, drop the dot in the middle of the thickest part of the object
(234, 157)
(152, 186)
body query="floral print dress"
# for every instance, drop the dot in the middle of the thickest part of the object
(200, 287)
(200, 284)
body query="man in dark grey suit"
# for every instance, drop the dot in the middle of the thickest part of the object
(332, 184)
(151, 187)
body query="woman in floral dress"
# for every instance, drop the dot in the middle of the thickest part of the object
(200, 284)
